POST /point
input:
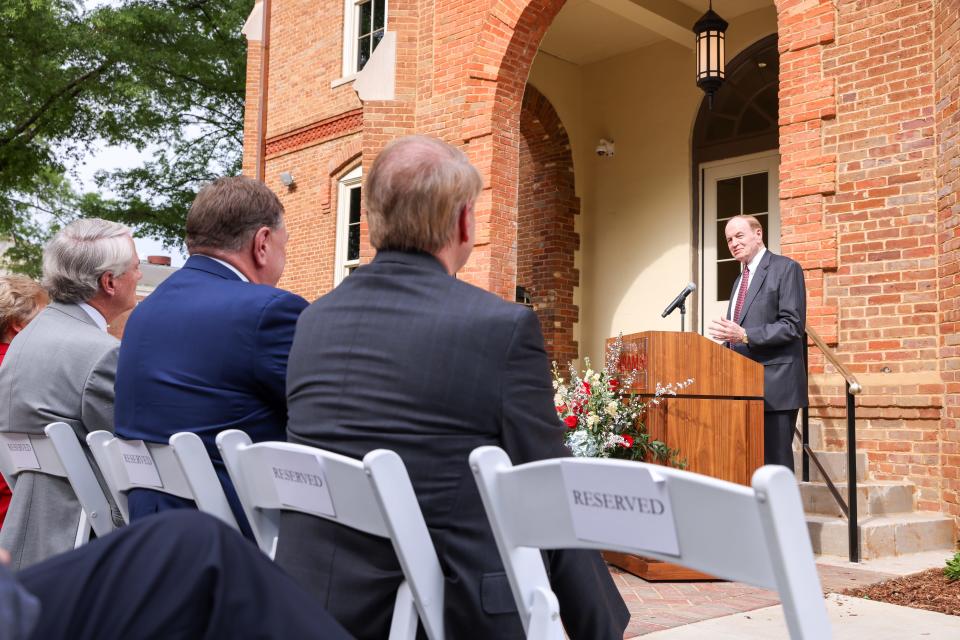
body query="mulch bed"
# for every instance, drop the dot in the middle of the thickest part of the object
(928, 590)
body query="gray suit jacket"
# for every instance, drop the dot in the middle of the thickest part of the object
(60, 368)
(774, 315)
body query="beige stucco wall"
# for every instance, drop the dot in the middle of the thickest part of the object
(635, 223)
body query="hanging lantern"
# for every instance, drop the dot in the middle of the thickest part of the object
(710, 52)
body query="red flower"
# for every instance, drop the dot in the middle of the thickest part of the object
(629, 440)
(561, 408)
(586, 388)
(614, 384)
(571, 422)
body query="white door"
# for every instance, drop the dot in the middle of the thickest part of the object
(744, 185)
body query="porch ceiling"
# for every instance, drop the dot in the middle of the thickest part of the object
(588, 31)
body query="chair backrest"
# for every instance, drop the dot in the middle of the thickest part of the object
(59, 453)
(374, 496)
(754, 535)
(181, 468)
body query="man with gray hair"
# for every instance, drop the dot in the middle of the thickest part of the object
(207, 350)
(61, 368)
(404, 356)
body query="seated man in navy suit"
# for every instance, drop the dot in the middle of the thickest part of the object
(207, 351)
(176, 575)
(404, 356)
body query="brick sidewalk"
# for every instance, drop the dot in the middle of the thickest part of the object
(655, 606)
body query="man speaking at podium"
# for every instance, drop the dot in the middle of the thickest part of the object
(765, 322)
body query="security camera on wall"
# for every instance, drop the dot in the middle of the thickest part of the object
(605, 148)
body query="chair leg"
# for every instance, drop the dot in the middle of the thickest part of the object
(403, 626)
(544, 616)
(83, 531)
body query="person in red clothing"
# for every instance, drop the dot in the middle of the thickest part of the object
(20, 300)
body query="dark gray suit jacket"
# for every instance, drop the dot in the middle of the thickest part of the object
(402, 356)
(774, 315)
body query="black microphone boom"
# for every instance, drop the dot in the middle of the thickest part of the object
(678, 300)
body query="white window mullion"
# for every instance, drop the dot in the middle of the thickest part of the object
(347, 256)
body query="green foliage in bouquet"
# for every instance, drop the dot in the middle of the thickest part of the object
(602, 420)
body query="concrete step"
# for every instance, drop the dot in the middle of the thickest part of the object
(883, 536)
(816, 433)
(874, 498)
(835, 464)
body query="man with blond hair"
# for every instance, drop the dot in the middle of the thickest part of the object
(404, 356)
(61, 368)
(21, 298)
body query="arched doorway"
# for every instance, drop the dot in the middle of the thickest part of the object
(546, 233)
(735, 156)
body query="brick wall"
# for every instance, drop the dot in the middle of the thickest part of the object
(311, 209)
(946, 61)
(546, 237)
(859, 189)
(250, 107)
(306, 52)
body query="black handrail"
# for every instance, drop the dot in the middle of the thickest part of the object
(848, 508)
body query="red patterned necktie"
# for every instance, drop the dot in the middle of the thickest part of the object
(742, 294)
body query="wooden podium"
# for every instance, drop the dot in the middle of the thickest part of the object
(716, 423)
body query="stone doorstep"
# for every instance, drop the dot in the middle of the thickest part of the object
(882, 536)
(874, 498)
(835, 463)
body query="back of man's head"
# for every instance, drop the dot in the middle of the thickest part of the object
(80, 253)
(414, 193)
(228, 212)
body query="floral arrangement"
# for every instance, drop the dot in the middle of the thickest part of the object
(604, 422)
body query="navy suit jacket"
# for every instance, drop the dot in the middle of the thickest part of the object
(205, 352)
(774, 315)
(402, 356)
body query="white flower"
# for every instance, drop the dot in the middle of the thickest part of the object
(595, 378)
(556, 384)
(614, 440)
(558, 400)
(612, 408)
(592, 419)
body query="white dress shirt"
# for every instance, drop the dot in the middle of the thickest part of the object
(95, 315)
(226, 264)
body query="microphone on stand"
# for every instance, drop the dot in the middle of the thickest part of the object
(678, 301)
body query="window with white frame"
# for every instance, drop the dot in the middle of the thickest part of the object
(348, 225)
(364, 24)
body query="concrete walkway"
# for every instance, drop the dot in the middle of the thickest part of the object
(851, 619)
(708, 609)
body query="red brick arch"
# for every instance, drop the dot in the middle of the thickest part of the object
(546, 234)
(497, 76)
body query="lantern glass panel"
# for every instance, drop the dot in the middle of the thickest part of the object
(702, 57)
(712, 52)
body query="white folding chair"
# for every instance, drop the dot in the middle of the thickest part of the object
(374, 496)
(757, 536)
(59, 454)
(182, 468)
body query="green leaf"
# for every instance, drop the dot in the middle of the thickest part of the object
(952, 570)
(163, 75)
